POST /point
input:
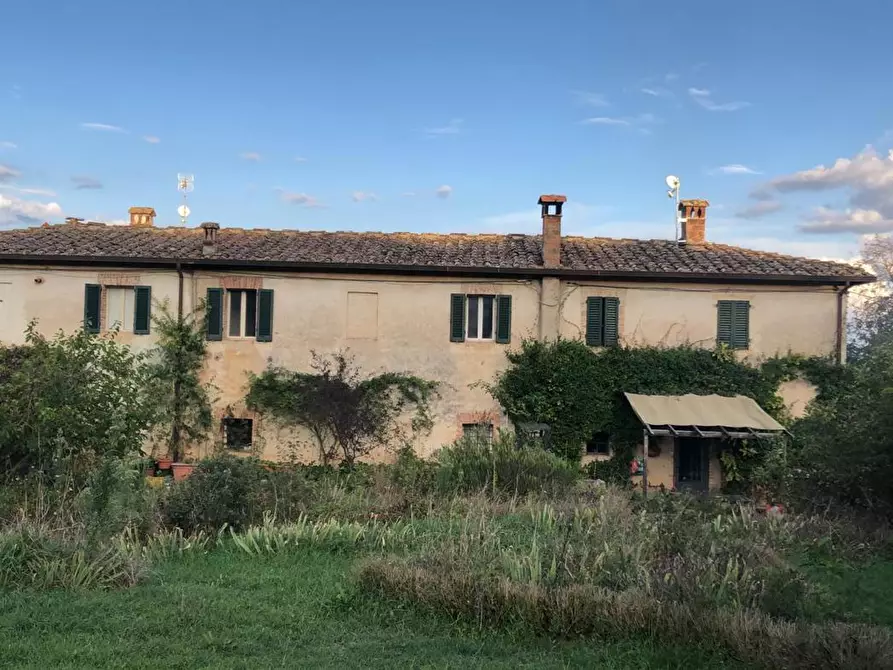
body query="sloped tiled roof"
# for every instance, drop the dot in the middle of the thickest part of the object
(343, 250)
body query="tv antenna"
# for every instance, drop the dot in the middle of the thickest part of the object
(673, 193)
(185, 184)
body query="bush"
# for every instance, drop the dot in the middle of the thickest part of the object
(221, 491)
(412, 474)
(472, 465)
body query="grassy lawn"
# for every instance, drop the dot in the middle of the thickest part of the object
(856, 592)
(223, 610)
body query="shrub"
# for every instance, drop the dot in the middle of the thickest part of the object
(472, 465)
(70, 401)
(225, 490)
(413, 474)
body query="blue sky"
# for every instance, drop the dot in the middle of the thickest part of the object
(454, 116)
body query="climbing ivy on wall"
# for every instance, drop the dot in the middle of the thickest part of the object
(578, 391)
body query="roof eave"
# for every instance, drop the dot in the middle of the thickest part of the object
(353, 268)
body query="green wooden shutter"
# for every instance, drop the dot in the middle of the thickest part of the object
(265, 315)
(724, 319)
(92, 293)
(503, 319)
(214, 314)
(142, 312)
(595, 322)
(612, 321)
(740, 336)
(457, 317)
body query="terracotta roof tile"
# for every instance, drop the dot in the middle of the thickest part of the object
(457, 251)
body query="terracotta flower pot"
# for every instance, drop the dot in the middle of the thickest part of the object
(150, 471)
(164, 463)
(182, 470)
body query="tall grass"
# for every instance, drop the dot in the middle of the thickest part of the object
(473, 465)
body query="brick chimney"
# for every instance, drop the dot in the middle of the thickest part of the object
(142, 216)
(694, 229)
(551, 205)
(209, 245)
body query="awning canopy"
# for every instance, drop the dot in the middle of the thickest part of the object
(692, 415)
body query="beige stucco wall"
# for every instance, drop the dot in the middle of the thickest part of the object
(782, 319)
(410, 330)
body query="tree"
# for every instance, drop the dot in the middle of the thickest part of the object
(71, 401)
(183, 404)
(871, 322)
(347, 414)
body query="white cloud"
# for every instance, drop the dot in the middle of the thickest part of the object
(826, 220)
(151, 139)
(300, 159)
(82, 182)
(671, 76)
(28, 191)
(759, 209)
(105, 127)
(704, 99)
(360, 196)
(444, 191)
(8, 145)
(734, 168)
(606, 121)
(301, 199)
(591, 99)
(454, 127)
(7, 173)
(642, 122)
(14, 211)
(408, 194)
(252, 156)
(867, 176)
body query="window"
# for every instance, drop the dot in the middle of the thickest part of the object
(249, 314)
(599, 445)
(478, 431)
(119, 308)
(733, 323)
(481, 318)
(602, 321)
(237, 433)
(126, 308)
(242, 313)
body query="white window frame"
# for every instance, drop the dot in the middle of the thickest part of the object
(479, 299)
(243, 313)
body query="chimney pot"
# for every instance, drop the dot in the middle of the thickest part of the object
(209, 245)
(142, 216)
(694, 228)
(551, 208)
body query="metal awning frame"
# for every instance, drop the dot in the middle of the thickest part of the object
(710, 431)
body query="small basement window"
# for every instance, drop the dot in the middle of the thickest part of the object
(599, 445)
(478, 431)
(237, 433)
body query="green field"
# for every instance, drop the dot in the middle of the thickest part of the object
(226, 610)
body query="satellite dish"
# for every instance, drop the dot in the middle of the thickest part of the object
(183, 211)
(672, 181)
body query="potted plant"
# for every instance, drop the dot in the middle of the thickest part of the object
(164, 463)
(149, 467)
(182, 470)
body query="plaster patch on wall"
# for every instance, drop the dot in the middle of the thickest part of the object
(362, 315)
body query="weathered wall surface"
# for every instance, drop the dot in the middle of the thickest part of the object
(402, 324)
